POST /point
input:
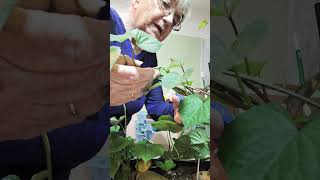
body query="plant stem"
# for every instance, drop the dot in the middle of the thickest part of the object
(46, 145)
(236, 32)
(125, 116)
(243, 90)
(169, 142)
(198, 169)
(196, 89)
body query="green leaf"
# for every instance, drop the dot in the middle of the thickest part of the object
(146, 151)
(203, 24)
(193, 111)
(42, 175)
(11, 177)
(119, 38)
(199, 136)
(115, 162)
(167, 165)
(145, 41)
(165, 125)
(249, 38)
(115, 128)
(165, 118)
(199, 143)
(118, 143)
(255, 68)
(124, 173)
(263, 143)
(171, 80)
(114, 55)
(187, 83)
(175, 63)
(188, 72)
(6, 7)
(180, 144)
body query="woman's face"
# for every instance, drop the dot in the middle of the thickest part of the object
(148, 16)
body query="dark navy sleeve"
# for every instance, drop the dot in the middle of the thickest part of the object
(155, 103)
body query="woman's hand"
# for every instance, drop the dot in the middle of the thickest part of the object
(176, 114)
(128, 82)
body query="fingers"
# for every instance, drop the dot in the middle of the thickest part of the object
(175, 101)
(132, 75)
(123, 98)
(126, 60)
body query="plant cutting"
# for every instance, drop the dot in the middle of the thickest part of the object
(195, 114)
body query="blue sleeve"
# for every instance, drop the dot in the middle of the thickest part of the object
(155, 104)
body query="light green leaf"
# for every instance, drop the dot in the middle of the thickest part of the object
(167, 165)
(187, 83)
(249, 38)
(200, 151)
(203, 24)
(145, 41)
(114, 55)
(118, 142)
(119, 38)
(255, 68)
(171, 80)
(175, 63)
(263, 143)
(146, 151)
(11, 177)
(165, 125)
(115, 128)
(188, 72)
(6, 7)
(193, 111)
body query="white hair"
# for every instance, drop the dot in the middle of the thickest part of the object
(185, 7)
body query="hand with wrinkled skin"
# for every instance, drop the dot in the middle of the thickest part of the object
(176, 114)
(127, 82)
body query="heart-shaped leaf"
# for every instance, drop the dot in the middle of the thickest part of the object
(165, 125)
(263, 143)
(145, 41)
(118, 142)
(199, 136)
(171, 80)
(180, 145)
(119, 38)
(146, 151)
(194, 112)
(167, 165)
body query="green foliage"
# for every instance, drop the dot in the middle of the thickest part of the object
(114, 55)
(180, 144)
(118, 142)
(165, 125)
(262, 142)
(171, 80)
(146, 151)
(203, 24)
(255, 68)
(194, 111)
(143, 40)
(167, 165)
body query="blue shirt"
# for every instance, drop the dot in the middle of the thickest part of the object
(154, 101)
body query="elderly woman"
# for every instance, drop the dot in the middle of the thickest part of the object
(157, 18)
